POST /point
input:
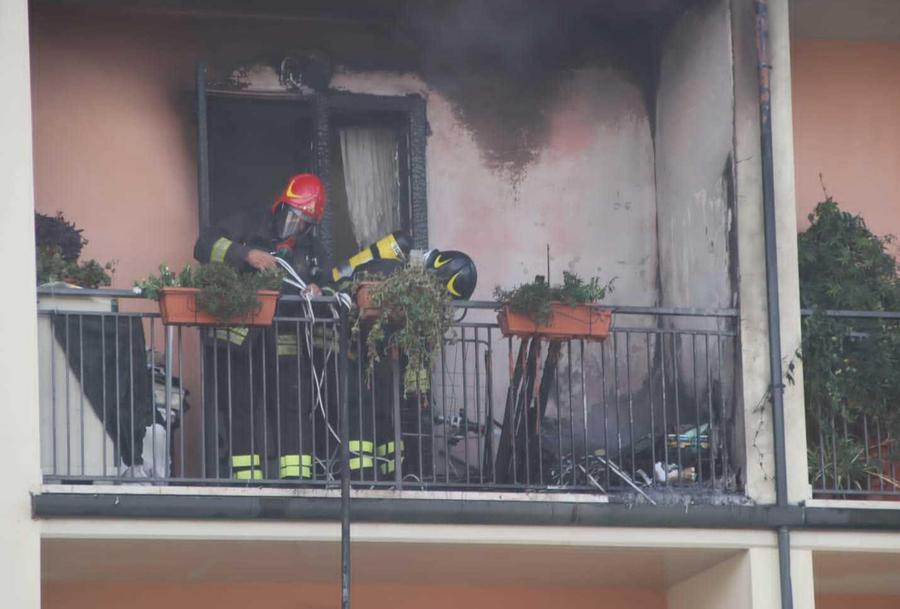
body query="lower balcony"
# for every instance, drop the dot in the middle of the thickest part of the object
(648, 414)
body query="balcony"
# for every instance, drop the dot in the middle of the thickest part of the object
(647, 415)
(850, 378)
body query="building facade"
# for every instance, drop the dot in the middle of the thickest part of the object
(611, 141)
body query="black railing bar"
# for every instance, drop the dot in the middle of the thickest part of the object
(853, 314)
(52, 312)
(469, 304)
(334, 485)
(68, 393)
(88, 292)
(856, 493)
(621, 309)
(660, 331)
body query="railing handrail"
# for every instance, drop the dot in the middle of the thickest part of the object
(468, 304)
(852, 314)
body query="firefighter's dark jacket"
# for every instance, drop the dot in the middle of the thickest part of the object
(231, 239)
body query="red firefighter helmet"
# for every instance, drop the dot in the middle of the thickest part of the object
(305, 194)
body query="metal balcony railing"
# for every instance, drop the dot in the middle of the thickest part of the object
(125, 399)
(852, 389)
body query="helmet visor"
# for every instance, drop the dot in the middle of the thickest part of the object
(292, 221)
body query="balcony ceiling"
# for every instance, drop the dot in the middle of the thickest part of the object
(172, 561)
(372, 11)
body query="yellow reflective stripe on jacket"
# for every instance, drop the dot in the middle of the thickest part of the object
(295, 466)
(362, 446)
(295, 471)
(409, 380)
(388, 448)
(389, 467)
(361, 462)
(219, 249)
(388, 248)
(235, 336)
(322, 338)
(295, 460)
(286, 344)
(244, 460)
(248, 474)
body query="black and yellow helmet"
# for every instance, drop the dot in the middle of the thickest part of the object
(455, 270)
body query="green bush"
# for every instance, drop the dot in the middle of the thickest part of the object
(224, 292)
(849, 365)
(415, 315)
(534, 299)
(58, 245)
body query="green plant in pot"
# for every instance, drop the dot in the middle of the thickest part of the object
(851, 385)
(217, 291)
(556, 311)
(58, 245)
(412, 314)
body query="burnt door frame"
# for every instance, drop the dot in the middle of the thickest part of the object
(326, 105)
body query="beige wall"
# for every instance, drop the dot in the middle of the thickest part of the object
(847, 127)
(288, 596)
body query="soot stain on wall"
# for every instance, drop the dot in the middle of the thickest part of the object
(503, 65)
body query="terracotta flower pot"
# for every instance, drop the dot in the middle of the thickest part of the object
(367, 312)
(567, 322)
(178, 306)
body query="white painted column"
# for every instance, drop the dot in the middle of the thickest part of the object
(758, 435)
(20, 568)
(727, 584)
(802, 579)
(748, 580)
(799, 488)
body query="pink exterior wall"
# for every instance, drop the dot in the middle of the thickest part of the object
(110, 151)
(857, 601)
(847, 127)
(114, 149)
(289, 596)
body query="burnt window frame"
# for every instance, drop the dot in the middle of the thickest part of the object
(406, 111)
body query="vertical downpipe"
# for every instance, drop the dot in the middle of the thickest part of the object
(772, 295)
(344, 365)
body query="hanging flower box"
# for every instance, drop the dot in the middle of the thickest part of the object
(367, 312)
(588, 321)
(178, 306)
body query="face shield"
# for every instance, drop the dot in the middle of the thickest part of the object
(289, 222)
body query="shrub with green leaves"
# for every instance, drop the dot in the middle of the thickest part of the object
(535, 299)
(58, 246)
(415, 315)
(224, 292)
(55, 233)
(849, 365)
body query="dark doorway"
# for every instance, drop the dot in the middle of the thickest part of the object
(255, 145)
(369, 150)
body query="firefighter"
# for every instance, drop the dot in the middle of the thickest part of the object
(372, 442)
(250, 242)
